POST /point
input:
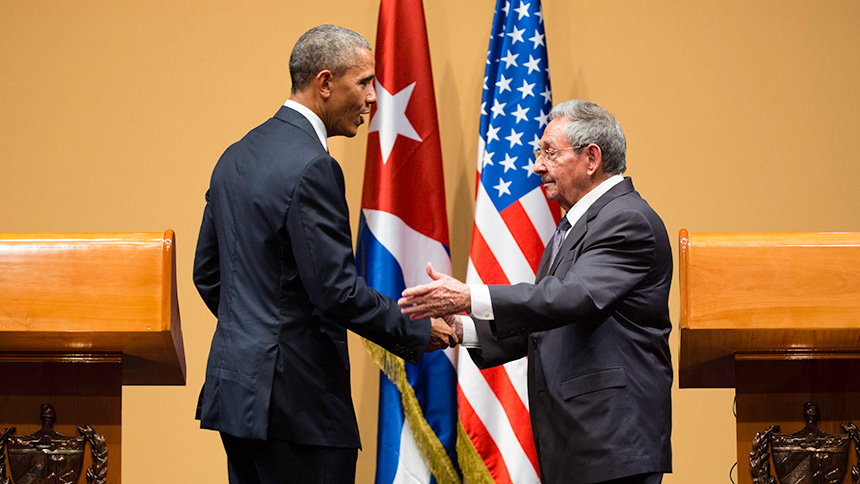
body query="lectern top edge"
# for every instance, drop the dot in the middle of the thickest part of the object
(770, 239)
(98, 292)
(765, 293)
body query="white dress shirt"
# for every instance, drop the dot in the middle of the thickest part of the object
(482, 305)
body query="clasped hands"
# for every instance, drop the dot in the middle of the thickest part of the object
(441, 300)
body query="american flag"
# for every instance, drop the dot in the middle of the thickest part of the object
(403, 226)
(513, 223)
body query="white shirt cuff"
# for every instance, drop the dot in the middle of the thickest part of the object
(482, 305)
(470, 333)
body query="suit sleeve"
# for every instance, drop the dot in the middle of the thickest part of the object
(495, 352)
(618, 253)
(207, 269)
(318, 224)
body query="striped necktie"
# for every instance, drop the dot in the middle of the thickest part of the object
(558, 238)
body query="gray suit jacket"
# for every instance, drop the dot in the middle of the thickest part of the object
(595, 326)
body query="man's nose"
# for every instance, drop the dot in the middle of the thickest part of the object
(540, 166)
(371, 94)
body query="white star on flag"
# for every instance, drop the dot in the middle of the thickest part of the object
(526, 89)
(532, 64)
(510, 59)
(520, 113)
(508, 163)
(537, 38)
(516, 35)
(498, 108)
(542, 119)
(514, 138)
(547, 95)
(530, 167)
(505, 83)
(487, 159)
(502, 187)
(522, 11)
(391, 113)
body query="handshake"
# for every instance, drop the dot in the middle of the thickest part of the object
(440, 300)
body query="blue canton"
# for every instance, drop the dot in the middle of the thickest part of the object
(516, 102)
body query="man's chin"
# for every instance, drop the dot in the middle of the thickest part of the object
(348, 132)
(550, 191)
(354, 129)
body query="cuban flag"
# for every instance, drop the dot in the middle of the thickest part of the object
(513, 223)
(404, 225)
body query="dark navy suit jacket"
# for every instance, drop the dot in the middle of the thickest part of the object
(275, 264)
(595, 326)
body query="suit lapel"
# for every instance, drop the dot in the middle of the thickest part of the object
(578, 231)
(544, 262)
(291, 116)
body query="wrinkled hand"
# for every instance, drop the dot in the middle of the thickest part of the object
(442, 335)
(444, 296)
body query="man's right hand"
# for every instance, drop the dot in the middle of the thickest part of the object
(443, 335)
(444, 295)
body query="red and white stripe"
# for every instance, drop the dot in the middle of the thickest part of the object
(494, 409)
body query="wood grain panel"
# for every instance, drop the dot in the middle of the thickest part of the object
(113, 292)
(761, 292)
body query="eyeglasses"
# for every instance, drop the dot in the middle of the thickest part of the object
(550, 154)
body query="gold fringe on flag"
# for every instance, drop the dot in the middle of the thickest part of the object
(471, 465)
(425, 439)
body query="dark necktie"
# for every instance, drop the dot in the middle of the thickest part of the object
(558, 238)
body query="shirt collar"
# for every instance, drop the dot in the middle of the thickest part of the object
(580, 207)
(316, 122)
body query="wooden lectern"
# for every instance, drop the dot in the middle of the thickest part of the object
(777, 317)
(80, 316)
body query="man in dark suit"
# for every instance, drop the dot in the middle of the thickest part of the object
(274, 263)
(595, 324)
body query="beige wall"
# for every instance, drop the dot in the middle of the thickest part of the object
(740, 116)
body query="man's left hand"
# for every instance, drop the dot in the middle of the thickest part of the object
(442, 297)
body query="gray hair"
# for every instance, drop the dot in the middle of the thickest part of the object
(590, 123)
(326, 47)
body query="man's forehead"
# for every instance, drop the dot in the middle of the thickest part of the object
(364, 57)
(364, 64)
(555, 131)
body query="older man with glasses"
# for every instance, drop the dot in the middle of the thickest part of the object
(595, 324)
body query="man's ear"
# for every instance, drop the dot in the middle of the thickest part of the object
(595, 158)
(323, 82)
